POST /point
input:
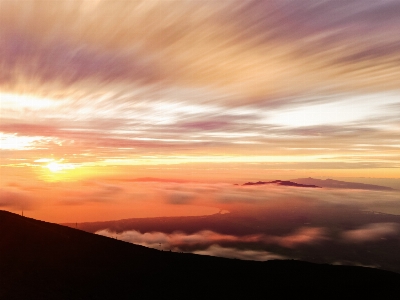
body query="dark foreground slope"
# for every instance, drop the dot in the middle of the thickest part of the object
(40, 260)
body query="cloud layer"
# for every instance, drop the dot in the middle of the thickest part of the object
(118, 198)
(372, 232)
(247, 247)
(306, 235)
(216, 250)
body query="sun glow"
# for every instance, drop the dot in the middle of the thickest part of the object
(54, 167)
(56, 171)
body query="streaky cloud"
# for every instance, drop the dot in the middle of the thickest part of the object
(215, 250)
(372, 232)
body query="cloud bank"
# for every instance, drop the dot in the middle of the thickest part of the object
(124, 198)
(207, 242)
(207, 237)
(372, 232)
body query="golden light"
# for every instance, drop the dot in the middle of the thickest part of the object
(54, 167)
(54, 171)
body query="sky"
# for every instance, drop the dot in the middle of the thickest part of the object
(97, 93)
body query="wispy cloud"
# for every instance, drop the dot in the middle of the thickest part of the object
(372, 232)
(219, 251)
(302, 236)
(253, 78)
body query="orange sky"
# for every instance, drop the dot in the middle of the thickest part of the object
(206, 91)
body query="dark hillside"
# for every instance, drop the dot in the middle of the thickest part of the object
(40, 260)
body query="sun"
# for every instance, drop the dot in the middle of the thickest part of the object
(57, 171)
(54, 167)
(53, 170)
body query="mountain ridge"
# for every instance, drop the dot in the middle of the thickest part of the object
(331, 183)
(281, 182)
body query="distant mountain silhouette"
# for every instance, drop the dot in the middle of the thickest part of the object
(282, 182)
(40, 260)
(330, 183)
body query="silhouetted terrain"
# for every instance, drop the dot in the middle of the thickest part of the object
(330, 183)
(282, 182)
(42, 260)
(380, 249)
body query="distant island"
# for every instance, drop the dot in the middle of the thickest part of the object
(330, 183)
(282, 182)
(320, 183)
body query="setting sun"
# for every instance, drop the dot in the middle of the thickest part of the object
(58, 169)
(55, 167)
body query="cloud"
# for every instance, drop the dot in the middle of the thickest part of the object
(16, 200)
(55, 58)
(176, 241)
(154, 239)
(203, 77)
(215, 250)
(332, 22)
(153, 198)
(354, 263)
(371, 232)
(286, 44)
(302, 236)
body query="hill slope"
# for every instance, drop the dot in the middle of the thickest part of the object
(40, 260)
